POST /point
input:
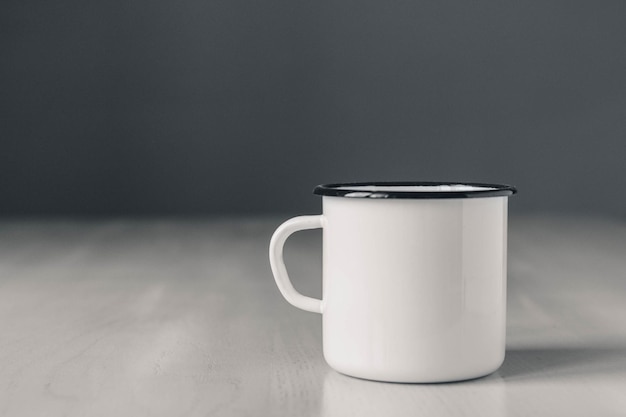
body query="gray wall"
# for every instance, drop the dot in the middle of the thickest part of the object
(242, 106)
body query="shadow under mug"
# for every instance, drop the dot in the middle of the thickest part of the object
(414, 278)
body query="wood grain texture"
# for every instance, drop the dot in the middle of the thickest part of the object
(182, 318)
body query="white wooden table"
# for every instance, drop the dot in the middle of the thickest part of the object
(182, 318)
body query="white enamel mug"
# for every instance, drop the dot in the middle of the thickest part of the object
(414, 278)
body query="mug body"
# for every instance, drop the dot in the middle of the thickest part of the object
(414, 289)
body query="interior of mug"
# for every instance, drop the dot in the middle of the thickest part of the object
(416, 188)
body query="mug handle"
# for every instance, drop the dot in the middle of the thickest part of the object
(279, 270)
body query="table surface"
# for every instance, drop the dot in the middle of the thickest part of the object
(182, 318)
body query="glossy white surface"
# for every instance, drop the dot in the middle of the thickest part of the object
(183, 318)
(414, 290)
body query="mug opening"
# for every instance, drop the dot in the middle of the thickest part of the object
(414, 190)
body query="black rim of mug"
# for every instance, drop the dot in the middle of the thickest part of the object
(355, 190)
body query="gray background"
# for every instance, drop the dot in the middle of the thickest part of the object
(235, 107)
